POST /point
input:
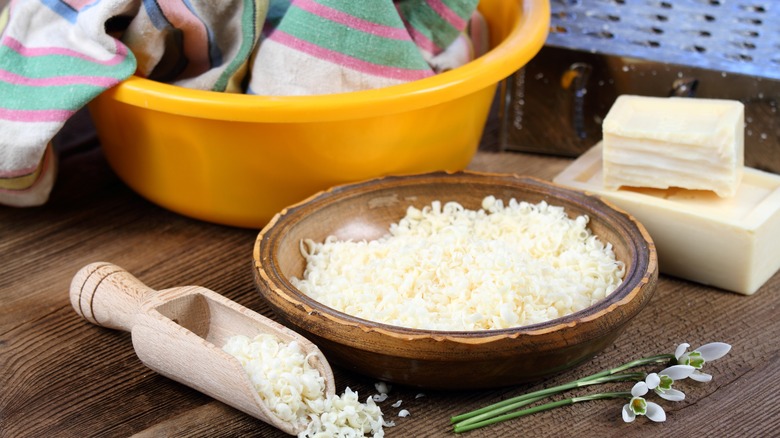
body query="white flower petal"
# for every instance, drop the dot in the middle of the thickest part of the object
(639, 389)
(700, 377)
(713, 350)
(652, 380)
(681, 349)
(628, 414)
(678, 372)
(655, 412)
(672, 395)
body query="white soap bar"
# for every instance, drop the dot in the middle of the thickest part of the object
(730, 243)
(664, 142)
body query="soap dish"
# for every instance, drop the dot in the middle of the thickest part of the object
(729, 243)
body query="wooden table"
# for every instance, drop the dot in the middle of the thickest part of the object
(63, 377)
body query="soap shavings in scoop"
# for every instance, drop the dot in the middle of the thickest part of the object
(295, 391)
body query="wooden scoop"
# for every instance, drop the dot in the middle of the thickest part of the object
(179, 333)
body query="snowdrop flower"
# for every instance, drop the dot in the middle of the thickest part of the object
(698, 357)
(662, 382)
(639, 406)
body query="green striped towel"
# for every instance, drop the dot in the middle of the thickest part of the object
(336, 46)
(57, 55)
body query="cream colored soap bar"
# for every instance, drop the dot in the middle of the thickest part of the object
(664, 142)
(730, 243)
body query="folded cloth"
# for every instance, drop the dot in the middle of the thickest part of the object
(57, 55)
(337, 46)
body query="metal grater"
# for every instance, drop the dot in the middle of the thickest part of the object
(599, 49)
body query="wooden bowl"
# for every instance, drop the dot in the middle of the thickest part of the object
(447, 359)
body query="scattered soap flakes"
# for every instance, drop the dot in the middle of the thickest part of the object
(397, 404)
(382, 387)
(379, 397)
(403, 413)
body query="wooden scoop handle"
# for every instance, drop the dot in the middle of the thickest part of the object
(107, 295)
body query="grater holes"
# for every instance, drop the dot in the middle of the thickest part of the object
(725, 35)
(740, 57)
(759, 9)
(605, 17)
(563, 15)
(749, 33)
(602, 34)
(648, 43)
(753, 21)
(558, 29)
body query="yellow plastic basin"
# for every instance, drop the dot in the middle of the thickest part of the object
(238, 159)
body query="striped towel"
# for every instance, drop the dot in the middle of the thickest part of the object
(196, 44)
(43, 81)
(57, 55)
(337, 46)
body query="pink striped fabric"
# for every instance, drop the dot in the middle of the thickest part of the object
(30, 52)
(35, 115)
(346, 60)
(196, 44)
(79, 4)
(57, 81)
(447, 14)
(348, 20)
(423, 42)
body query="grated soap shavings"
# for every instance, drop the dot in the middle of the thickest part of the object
(444, 267)
(295, 391)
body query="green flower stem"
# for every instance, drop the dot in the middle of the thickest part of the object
(547, 406)
(523, 400)
(661, 358)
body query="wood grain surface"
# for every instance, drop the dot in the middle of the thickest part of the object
(63, 377)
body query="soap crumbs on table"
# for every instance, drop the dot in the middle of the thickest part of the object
(379, 397)
(382, 387)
